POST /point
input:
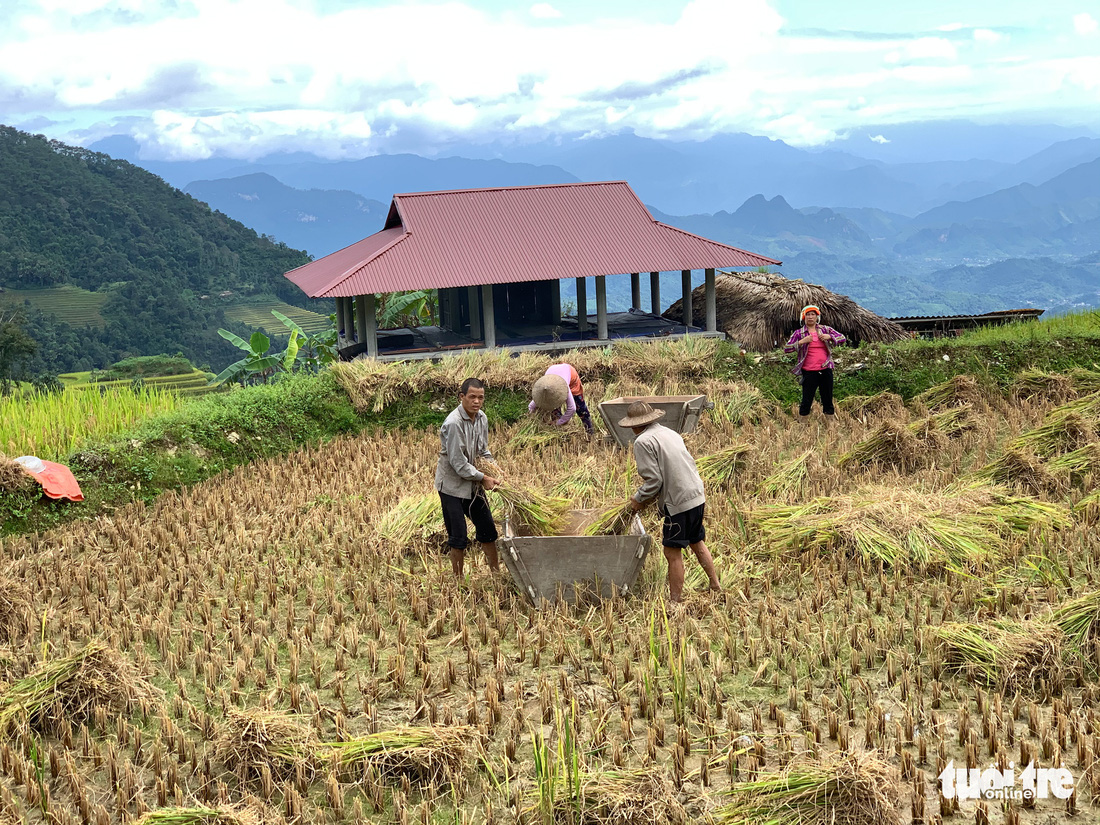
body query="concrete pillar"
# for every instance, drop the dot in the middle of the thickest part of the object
(368, 323)
(582, 305)
(351, 319)
(361, 316)
(489, 319)
(685, 277)
(655, 293)
(601, 307)
(555, 301)
(475, 312)
(712, 301)
(635, 291)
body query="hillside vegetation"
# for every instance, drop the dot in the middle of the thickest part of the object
(155, 259)
(912, 586)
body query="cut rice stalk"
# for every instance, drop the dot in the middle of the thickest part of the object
(1018, 468)
(1005, 654)
(612, 521)
(252, 739)
(1034, 383)
(426, 754)
(1062, 430)
(541, 514)
(1079, 618)
(891, 443)
(414, 518)
(723, 466)
(1087, 510)
(789, 478)
(94, 675)
(613, 797)
(957, 391)
(859, 789)
(202, 815)
(868, 406)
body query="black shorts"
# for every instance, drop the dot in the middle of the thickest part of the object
(455, 512)
(683, 529)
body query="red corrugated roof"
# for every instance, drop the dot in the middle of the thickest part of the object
(521, 233)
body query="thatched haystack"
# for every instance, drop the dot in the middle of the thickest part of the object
(760, 310)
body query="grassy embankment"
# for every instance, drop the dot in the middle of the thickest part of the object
(206, 436)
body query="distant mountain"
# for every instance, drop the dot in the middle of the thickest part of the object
(1020, 220)
(382, 176)
(76, 217)
(1018, 282)
(773, 228)
(317, 220)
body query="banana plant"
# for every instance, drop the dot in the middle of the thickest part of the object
(312, 351)
(256, 366)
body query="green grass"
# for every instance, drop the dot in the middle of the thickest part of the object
(193, 383)
(73, 305)
(259, 315)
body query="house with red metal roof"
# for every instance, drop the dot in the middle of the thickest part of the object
(497, 258)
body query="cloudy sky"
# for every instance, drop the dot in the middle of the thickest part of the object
(242, 78)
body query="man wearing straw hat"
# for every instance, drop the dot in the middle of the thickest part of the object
(464, 438)
(669, 474)
(560, 388)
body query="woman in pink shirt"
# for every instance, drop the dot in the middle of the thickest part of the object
(814, 343)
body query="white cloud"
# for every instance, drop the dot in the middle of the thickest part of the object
(1085, 23)
(544, 11)
(878, 139)
(243, 77)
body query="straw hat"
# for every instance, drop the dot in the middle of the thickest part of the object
(639, 414)
(550, 392)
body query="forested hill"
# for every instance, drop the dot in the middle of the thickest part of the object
(69, 216)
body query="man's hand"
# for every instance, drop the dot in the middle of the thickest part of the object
(489, 482)
(636, 505)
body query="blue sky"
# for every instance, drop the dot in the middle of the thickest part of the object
(242, 78)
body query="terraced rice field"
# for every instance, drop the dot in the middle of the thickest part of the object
(285, 642)
(259, 315)
(75, 306)
(192, 384)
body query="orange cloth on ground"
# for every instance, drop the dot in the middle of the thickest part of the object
(58, 481)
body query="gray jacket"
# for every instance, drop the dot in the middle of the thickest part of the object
(667, 469)
(462, 441)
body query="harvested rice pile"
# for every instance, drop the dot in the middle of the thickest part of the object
(962, 526)
(75, 685)
(426, 754)
(14, 476)
(253, 741)
(870, 406)
(616, 797)
(1019, 469)
(415, 521)
(724, 466)
(1006, 654)
(851, 790)
(253, 814)
(1047, 386)
(962, 389)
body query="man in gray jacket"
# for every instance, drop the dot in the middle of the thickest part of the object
(669, 475)
(464, 437)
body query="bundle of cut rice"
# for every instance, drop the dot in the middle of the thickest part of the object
(858, 789)
(1006, 654)
(94, 675)
(426, 754)
(962, 389)
(252, 739)
(723, 466)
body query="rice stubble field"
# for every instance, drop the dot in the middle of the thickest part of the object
(285, 642)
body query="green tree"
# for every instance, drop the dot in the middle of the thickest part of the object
(16, 348)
